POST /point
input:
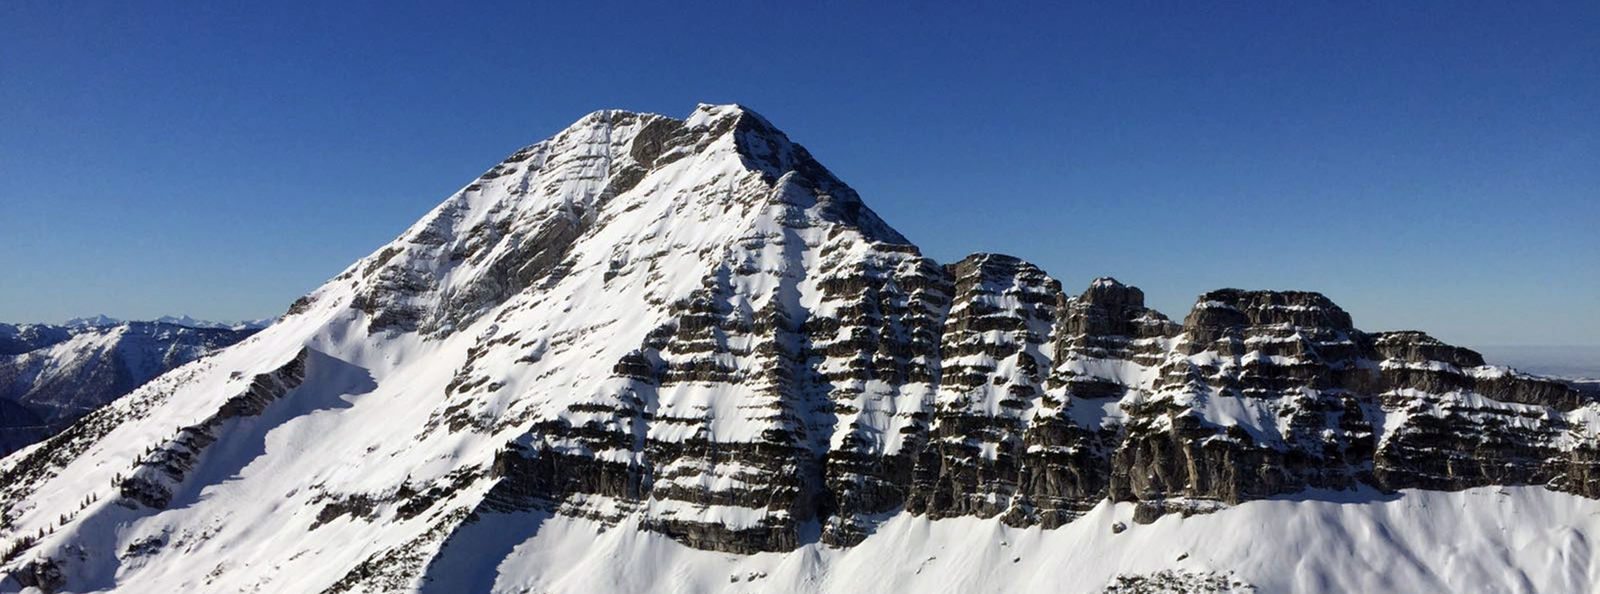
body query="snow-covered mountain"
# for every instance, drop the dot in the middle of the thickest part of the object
(102, 321)
(652, 354)
(50, 376)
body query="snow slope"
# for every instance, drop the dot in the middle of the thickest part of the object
(1518, 539)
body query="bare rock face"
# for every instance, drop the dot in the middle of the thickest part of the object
(1467, 425)
(994, 360)
(1035, 406)
(1105, 339)
(694, 328)
(1279, 361)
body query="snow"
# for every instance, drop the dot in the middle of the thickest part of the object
(1480, 372)
(1518, 539)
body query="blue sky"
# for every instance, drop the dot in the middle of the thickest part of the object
(1435, 167)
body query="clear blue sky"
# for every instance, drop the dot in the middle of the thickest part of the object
(1434, 167)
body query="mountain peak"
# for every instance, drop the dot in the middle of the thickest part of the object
(94, 321)
(705, 114)
(1107, 290)
(1233, 307)
(613, 183)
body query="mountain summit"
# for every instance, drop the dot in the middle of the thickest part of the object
(651, 353)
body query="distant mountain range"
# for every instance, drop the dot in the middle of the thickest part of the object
(52, 375)
(102, 320)
(1553, 360)
(1576, 365)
